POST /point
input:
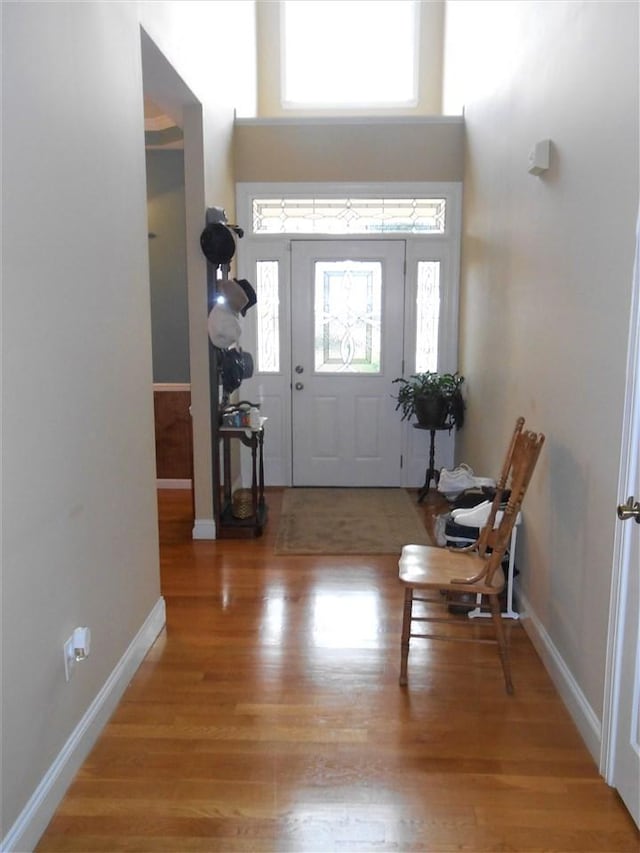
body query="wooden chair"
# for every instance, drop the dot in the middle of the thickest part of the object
(476, 569)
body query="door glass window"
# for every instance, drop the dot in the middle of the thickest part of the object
(268, 317)
(427, 316)
(347, 316)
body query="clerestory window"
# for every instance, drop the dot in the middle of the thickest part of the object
(347, 53)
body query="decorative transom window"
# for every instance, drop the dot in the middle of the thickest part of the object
(349, 215)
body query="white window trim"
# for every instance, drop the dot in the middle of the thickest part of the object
(451, 191)
(399, 104)
(442, 247)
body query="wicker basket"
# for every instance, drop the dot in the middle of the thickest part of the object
(242, 504)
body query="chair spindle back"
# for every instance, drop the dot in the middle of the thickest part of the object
(524, 456)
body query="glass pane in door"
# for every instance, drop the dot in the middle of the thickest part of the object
(347, 316)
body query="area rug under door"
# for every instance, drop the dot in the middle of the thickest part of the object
(348, 521)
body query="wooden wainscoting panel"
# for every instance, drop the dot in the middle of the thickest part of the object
(174, 446)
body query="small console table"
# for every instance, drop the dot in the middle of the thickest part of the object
(228, 525)
(432, 472)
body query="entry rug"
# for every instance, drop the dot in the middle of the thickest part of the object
(348, 521)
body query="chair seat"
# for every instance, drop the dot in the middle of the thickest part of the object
(428, 567)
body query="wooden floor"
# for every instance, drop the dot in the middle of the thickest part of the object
(268, 717)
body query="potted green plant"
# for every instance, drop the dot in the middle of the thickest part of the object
(434, 398)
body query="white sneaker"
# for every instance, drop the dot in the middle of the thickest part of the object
(454, 481)
(477, 516)
(472, 516)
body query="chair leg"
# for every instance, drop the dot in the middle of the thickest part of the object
(406, 633)
(503, 648)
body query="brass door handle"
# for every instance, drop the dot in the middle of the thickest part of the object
(629, 510)
(299, 386)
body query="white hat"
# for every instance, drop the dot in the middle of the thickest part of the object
(224, 326)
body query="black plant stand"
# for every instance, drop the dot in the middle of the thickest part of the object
(431, 473)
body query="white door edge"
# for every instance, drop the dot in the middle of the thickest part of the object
(622, 567)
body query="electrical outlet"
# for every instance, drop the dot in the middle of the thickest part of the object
(69, 658)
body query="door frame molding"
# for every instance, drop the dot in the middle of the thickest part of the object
(447, 245)
(630, 439)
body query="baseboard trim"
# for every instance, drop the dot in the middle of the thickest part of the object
(171, 387)
(33, 820)
(581, 711)
(173, 484)
(204, 528)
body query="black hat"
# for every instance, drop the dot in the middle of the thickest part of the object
(217, 243)
(251, 294)
(235, 365)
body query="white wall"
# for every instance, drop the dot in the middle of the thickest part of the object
(339, 149)
(546, 284)
(167, 265)
(80, 542)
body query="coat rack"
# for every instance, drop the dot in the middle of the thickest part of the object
(215, 215)
(221, 437)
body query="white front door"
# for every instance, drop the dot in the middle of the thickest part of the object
(347, 306)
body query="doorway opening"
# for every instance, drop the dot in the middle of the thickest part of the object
(182, 112)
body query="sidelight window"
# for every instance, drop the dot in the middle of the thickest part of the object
(268, 317)
(427, 315)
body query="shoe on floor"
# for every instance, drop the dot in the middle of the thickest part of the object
(453, 481)
(478, 516)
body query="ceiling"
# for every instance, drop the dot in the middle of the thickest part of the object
(160, 130)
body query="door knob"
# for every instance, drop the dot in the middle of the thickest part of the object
(299, 386)
(299, 368)
(629, 510)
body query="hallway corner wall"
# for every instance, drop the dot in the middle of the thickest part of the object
(546, 284)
